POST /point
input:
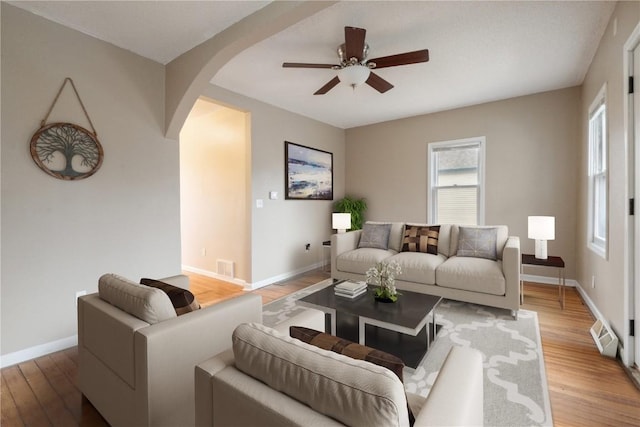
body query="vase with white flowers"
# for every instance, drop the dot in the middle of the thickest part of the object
(383, 275)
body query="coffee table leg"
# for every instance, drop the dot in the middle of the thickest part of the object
(361, 331)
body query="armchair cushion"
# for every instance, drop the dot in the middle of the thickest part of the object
(183, 300)
(351, 391)
(146, 303)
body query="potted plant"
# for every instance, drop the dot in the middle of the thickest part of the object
(383, 275)
(355, 207)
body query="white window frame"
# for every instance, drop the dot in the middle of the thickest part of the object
(598, 244)
(480, 141)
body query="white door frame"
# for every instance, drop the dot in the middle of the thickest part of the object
(632, 244)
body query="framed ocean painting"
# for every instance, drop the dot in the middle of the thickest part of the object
(309, 173)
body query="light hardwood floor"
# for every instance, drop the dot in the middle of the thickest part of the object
(585, 388)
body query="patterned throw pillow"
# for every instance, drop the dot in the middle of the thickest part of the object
(478, 242)
(353, 350)
(375, 236)
(183, 300)
(421, 239)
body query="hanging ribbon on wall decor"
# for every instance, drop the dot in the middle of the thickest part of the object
(65, 150)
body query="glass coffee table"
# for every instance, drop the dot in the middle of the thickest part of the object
(389, 327)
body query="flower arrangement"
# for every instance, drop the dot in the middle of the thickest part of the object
(384, 276)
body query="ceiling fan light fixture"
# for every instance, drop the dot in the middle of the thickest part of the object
(354, 75)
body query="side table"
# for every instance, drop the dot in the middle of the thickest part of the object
(551, 261)
(326, 266)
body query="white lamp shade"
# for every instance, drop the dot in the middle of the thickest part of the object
(341, 221)
(354, 75)
(542, 227)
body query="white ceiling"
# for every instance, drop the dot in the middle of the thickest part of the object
(480, 51)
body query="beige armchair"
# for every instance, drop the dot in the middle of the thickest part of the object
(140, 373)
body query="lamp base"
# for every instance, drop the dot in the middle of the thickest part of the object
(541, 249)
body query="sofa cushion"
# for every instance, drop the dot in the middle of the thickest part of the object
(146, 303)
(421, 239)
(358, 261)
(348, 348)
(472, 274)
(477, 242)
(444, 237)
(351, 391)
(395, 235)
(501, 238)
(183, 300)
(418, 267)
(375, 236)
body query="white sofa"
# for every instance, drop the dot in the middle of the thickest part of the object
(270, 379)
(482, 281)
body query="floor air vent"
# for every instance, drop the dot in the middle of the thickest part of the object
(226, 268)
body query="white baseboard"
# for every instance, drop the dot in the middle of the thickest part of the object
(37, 351)
(546, 280)
(284, 276)
(213, 275)
(256, 285)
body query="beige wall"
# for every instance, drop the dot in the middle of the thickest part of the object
(58, 237)
(606, 67)
(531, 145)
(280, 230)
(213, 187)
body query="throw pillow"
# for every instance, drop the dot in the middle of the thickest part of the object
(478, 242)
(355, 351)
(183, 300)
(348, 348)
(375, 236)
(421, 239)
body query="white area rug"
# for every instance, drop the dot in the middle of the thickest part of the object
(515, 385)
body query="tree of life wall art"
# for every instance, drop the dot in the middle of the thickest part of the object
(65, 150)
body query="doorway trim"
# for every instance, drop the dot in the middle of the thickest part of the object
(632, 251)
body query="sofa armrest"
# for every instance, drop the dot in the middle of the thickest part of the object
(511, 269)
(461, 376)
(167, 352)
(203, 390)
(341, 243)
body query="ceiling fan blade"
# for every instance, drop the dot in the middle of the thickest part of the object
(354, 42)
(378, 83)
(303, 65)
(401, 59)
(326, 88)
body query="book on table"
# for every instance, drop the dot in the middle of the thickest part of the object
(350, 289)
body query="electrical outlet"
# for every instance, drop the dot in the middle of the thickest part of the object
(79, 294)
(593, 282)
(307, 247)
(203, 251)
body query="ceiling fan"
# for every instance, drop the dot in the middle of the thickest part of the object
(354, 68)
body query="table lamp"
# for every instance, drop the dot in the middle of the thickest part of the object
(341, 222)
(542, 228)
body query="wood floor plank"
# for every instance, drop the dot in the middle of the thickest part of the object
(31, 413)
(49, 399)
(67, 391)
(9, 415)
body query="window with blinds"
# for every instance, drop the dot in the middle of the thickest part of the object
(598, 176)
(456, 180)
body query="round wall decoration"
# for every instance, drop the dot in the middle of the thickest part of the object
(65, 150)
